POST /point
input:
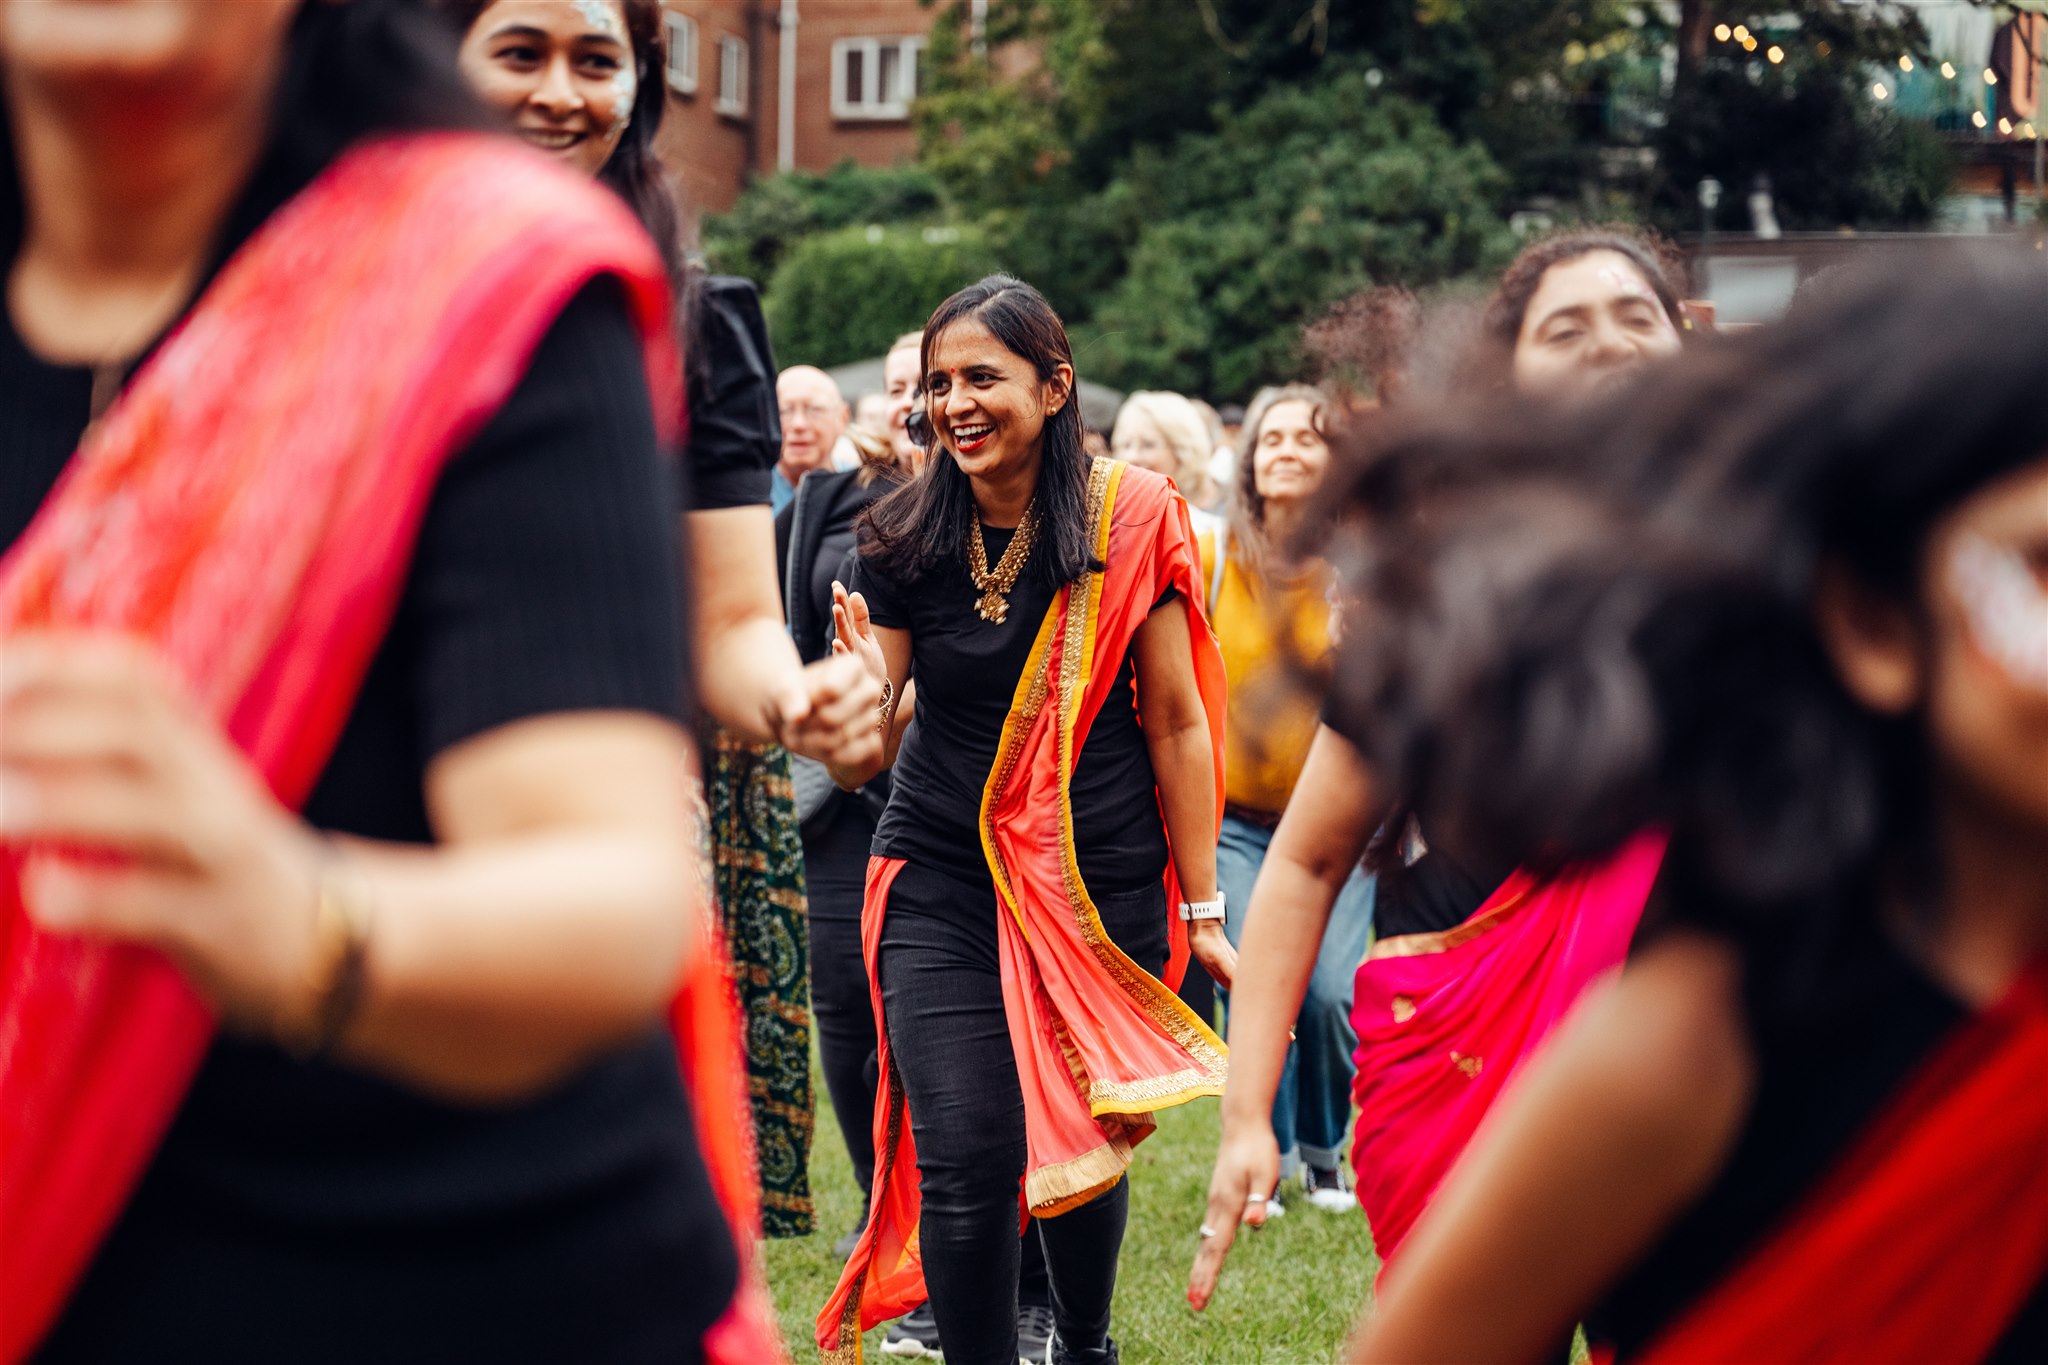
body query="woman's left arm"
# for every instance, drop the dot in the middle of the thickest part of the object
(749, 675)
(1184, 764)
(551, 923)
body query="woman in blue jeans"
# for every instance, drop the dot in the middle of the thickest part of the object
(1271, 614)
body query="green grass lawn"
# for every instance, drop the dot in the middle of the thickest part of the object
(1288, 1295)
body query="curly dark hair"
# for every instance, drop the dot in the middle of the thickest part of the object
(1659, 263)
(1566, 627)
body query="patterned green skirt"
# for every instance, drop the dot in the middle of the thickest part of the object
(758, 867)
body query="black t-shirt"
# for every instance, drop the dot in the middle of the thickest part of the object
(735, 424)
(310, 1211)
(966, 671)
(1820, 1084)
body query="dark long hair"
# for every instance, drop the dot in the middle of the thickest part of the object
(923, 526)
(351, 71)
(634, 169)
(635, 172)
(1568, 627)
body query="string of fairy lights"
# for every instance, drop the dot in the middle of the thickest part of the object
(1880, 89)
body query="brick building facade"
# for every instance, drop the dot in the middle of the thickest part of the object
(856, 65)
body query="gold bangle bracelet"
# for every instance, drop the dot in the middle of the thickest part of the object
(335, 978)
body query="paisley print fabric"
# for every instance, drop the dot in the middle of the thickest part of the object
(758, 867)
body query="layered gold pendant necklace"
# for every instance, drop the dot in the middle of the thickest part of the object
(995, 584)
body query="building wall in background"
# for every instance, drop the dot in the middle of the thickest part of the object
(715, 136)
(707, 144)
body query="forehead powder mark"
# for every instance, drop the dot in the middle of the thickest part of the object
(624, 86)
(1624, 281)
(2005, 608)
(602, 17)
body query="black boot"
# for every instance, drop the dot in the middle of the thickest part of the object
(1061, 1354)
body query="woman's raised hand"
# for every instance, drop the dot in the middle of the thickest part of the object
(856, 631)
(141, 821)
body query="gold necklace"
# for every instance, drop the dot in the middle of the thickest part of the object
(994, 602)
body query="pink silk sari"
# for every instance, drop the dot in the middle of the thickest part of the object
(1100, 1043)
(248, 507)
(1445, 1020)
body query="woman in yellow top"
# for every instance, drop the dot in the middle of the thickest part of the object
(1269, 612)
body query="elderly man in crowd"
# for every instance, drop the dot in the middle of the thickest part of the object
(814, 419)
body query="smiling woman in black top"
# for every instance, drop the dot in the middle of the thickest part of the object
(965, 576)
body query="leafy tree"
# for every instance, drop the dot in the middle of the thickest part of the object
(846, 294)
(1251, 231)
(778, 211)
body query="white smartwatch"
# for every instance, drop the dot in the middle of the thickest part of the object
(1191, 910)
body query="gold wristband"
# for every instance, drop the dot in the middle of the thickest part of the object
(888, 695)
(335, 977)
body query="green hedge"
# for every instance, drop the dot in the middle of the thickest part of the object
(778, 211)
(845, 295)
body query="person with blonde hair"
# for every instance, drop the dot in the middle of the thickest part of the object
(1164, 433)
(899, 388)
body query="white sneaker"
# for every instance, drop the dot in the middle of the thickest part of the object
(1328, 1190)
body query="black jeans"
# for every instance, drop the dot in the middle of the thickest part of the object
(835, 872)
(941, 980)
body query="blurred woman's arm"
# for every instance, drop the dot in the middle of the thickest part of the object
(1319, 842)
(750, 677)
(551, 922)
(1611, 1131)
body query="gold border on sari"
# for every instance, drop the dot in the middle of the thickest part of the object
(1082, 601)
(1422, 945)
(1053, 1190)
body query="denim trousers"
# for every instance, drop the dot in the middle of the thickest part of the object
(940, 975)
(1313, 1105)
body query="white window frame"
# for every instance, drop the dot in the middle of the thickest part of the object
(682, 53)
(732, 76)
(870, 106)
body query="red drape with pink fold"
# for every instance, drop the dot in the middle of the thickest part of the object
(1445, 1020)
(249, 507)
(1100, 1044)
(1923, 1243)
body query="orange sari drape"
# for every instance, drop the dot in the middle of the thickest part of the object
(249, 508)
(1923, 1244)
(1100, 1043)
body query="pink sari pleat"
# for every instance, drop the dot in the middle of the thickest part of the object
(1445, 1021)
